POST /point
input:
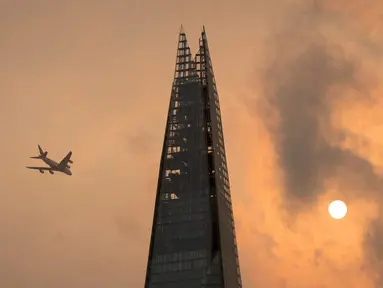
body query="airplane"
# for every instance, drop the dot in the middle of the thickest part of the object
(53, 165)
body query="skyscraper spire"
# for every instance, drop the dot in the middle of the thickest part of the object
(193, 241)
(185, 66)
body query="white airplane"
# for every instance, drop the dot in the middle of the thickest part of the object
(53, 165)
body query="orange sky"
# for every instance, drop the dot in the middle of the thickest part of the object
(300, 93)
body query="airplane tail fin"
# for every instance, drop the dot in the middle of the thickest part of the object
(42, 154)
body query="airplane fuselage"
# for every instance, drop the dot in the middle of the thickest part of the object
(62, 166)
(54, 165)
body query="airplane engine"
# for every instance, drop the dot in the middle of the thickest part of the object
(70, 161)
(42, 171)
(50, 171)
(67, 166)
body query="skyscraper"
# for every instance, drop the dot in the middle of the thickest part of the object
(193, 242)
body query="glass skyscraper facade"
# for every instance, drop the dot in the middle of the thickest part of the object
(193, 242)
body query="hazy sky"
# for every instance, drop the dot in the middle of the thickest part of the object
(300, 90)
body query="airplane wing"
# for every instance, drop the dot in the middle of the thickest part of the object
(65, 161)
(39, 168)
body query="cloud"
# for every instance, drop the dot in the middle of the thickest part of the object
(308, 70)
(299, 82)
(83, 77)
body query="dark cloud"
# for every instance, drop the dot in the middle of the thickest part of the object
(101, 87)
(302, 72)
(302, 103)
(304, 76)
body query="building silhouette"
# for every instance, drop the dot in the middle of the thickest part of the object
(193, 242)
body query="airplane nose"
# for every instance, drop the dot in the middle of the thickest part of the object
(70, 172)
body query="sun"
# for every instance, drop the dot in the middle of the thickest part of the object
(337, 209)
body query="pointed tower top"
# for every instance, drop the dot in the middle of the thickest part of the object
(182, 41)
(203, 33)
(185, 65)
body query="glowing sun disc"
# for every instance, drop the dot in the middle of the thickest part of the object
(337, 209)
